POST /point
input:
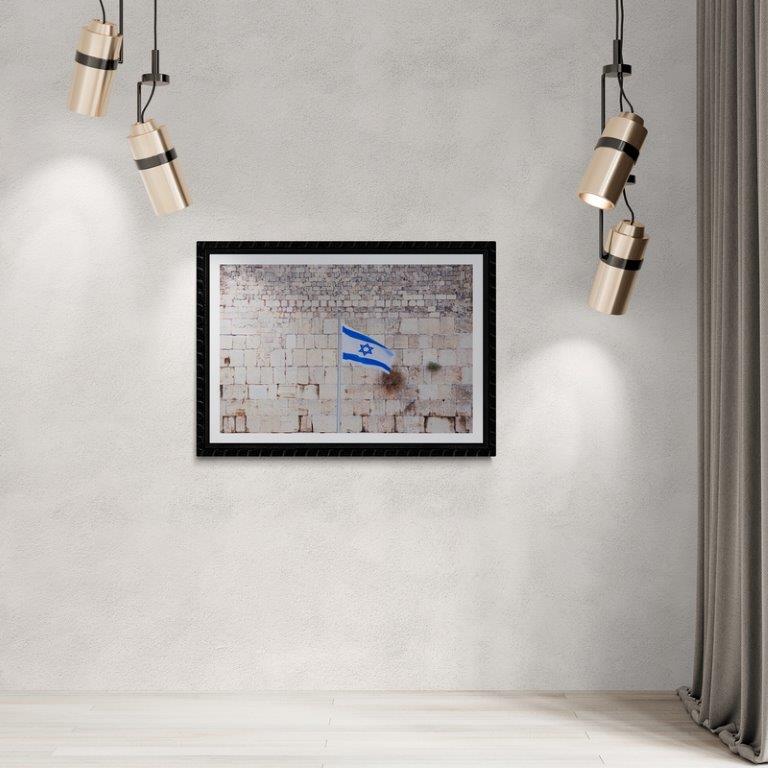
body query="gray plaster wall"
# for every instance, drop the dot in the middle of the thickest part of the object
(127, 563)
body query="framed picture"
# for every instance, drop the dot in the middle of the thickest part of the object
(346, 349)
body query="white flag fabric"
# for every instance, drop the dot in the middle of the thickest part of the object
(359, 349)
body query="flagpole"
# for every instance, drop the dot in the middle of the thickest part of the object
(338, 372)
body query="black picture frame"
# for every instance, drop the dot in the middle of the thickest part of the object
(486, 448)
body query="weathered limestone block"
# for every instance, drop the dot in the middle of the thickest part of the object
(462, 393)
(464, 408)
(226, 375)
(445, 408)
(239, 375)
(400, 342)
(234, 392)
(464, 357)
(429, 325)
(324, 423)
(327, 391)
(428, 391)
(463, 423)
(307, 391)
(352, 423)
(439, 424)
(289, 423)
(378, 424)
(409, 424)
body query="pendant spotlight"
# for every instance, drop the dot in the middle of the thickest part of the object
(620, 254)
(152, 148)
(612, 161)
(618, 265)
(98, 53)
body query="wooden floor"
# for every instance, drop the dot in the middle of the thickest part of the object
(353, 730)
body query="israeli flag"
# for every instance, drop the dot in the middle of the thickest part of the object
(360, 349)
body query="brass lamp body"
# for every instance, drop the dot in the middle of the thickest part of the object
(155, 157)
(612, 160)
(617, 269)
(96, 59)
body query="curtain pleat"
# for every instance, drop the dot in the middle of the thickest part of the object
(729, 694)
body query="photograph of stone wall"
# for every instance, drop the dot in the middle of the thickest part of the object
(280, 354)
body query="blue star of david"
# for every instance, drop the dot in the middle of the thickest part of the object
(366, 349)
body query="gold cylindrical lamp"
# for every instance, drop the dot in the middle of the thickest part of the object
(96, 60)
(155, 157)
(612, 161)
(616, 271)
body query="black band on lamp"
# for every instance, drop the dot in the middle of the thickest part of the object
(94, 61)
(631, 265)
(145, 163)
(622, 146)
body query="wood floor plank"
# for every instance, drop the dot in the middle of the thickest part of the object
(396, 729)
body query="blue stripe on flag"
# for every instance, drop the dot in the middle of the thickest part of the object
(365, 360)
(362, 337)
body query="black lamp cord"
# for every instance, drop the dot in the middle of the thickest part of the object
(103, 13)
(620, 78)
(154, 81)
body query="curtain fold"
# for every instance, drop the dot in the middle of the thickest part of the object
(729, 694)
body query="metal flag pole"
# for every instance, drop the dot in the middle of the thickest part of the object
(338, 372)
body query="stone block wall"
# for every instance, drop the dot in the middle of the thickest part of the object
(279, 347)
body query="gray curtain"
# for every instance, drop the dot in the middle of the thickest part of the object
(729, 694)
